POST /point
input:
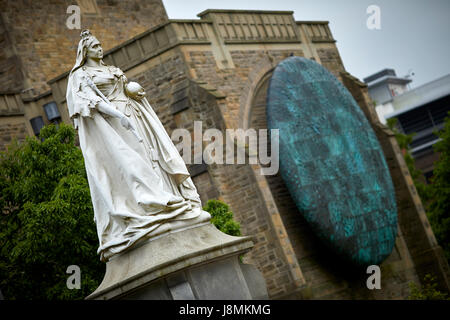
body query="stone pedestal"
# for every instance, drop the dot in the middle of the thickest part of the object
(199, 263)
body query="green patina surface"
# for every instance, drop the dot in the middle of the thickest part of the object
(332, 162)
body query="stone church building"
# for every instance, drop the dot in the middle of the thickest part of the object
(215, 69)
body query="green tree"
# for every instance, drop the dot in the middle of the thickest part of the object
(404, 141)
(427, 291)
(222, 217)
(438, 206)
(46, 222)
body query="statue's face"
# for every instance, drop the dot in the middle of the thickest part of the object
(95, 51)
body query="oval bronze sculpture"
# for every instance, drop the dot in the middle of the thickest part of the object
(332, 162)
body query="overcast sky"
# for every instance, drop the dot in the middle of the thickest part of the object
(414, 34)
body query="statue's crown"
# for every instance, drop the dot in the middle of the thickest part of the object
(85, 34)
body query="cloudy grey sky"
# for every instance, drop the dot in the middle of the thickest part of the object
(414, 34)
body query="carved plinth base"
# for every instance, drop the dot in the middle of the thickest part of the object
(198, 263)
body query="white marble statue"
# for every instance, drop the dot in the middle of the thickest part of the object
(139, 184)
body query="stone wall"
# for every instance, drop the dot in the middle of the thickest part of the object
(46, 48)
(236, 183)
(233, 82)
(13, 123)
(330, 59)
(12, 128)
(11, 76)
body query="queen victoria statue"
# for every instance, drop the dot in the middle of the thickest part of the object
(139, 184)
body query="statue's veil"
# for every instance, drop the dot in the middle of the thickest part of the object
(86, 40)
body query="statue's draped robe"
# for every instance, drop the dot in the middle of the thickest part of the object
(138, 190)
